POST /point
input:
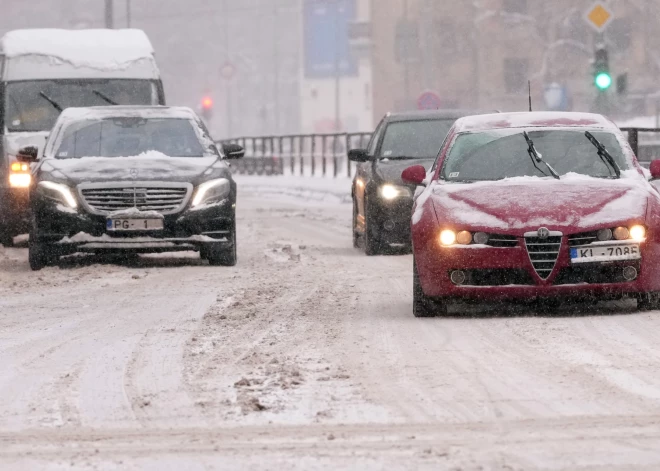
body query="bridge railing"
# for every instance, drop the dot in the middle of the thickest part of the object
(645, 143)
(323, 155)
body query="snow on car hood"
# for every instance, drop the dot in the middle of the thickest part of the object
(390, 170)
(151, 166)
(14, 141)
(574, 202)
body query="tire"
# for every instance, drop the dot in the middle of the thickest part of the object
(423, 306)
(40, 254)
(6, 238)
(372, 245)
(648, 302)
(356, 236)
(217, 255)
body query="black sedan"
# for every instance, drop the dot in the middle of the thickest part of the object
(131, 179)
(382, 203)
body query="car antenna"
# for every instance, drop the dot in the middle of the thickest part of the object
(529, 92)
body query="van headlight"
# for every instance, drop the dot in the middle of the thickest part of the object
(59, 193)
(211, 192)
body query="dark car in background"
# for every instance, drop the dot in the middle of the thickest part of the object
(382, 202)
(138, 179)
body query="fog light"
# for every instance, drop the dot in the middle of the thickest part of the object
(621, 233)
(604, 234)
(629, 273)
(447, 237)
(638, 233)
(464, 238)
(481, 238)
(389, 225)
(457, 277)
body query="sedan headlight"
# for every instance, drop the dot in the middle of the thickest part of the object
(211, 192)
(638, 233)
(447, 237)
(390, 192)
(58, 192)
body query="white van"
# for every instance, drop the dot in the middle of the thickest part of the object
(42, 72)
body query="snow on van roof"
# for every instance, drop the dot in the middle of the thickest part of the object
(101, 112)
(533, 119)
(94, 48)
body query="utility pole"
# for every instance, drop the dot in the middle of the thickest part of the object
(337, 69)
(128, 13)
(276, 72)
(109, 8)
(228, 84)
(406, 63)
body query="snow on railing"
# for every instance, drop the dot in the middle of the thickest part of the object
(315, 155)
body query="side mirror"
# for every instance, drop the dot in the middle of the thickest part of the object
(655, 169)
(233, 151)
(415, 175)
(358, 155)
(28, 154)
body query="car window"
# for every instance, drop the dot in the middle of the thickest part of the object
(375, 138)
(130, 136)
(494, 155)
(421, 139)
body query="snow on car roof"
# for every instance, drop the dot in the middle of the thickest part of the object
(93, 48)
(101, 112)
(533, 119)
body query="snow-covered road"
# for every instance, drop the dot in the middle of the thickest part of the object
(306, 356)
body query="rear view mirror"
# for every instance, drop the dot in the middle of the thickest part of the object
(415, 175)
(27, 154)
(233, 151)
(358, 155)
(655, 169)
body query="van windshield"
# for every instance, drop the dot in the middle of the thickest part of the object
(32, 106)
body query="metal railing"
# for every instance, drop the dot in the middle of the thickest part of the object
(304, 154)
(645, 143)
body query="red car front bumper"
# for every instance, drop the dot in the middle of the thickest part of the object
(507, 273)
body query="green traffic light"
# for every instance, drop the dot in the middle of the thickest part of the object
(603, 80)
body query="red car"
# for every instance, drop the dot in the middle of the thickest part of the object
(534, 206)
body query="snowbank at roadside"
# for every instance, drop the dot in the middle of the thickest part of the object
(325, 190)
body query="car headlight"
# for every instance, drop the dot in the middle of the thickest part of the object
(447, 237)
(211, 192)
(20, 180)
(58, 192)
(638, 233)
(390, 192)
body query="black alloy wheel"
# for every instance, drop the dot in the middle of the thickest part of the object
(372, 244)
(217, 255)
(356, 236)
(40, 254)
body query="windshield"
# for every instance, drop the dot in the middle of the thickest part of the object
(494, 155)
(28, 107)
(415, 139)
(125, 137)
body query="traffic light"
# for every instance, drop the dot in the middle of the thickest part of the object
(207, 107)
(602, 76)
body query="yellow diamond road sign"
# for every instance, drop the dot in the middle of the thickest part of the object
(599, 16)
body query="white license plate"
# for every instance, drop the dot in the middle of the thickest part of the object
(605, 253)
(119, 224)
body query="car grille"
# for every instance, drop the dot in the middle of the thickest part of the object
(543, 253)
(163, 199)
(583, 238)
(502, 241)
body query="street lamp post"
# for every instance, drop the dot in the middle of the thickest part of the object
(108, 14)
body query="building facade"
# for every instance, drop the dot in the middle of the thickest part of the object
(481, 54)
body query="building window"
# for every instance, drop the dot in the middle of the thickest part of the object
(514, 6)
(516, 74)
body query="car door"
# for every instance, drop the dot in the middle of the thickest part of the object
(365, 172)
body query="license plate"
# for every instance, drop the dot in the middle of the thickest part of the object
(605, 253)
(130, 224)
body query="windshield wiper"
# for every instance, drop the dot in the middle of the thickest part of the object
(104, 97)
(604, 155)
(537, 158)
(55, 104)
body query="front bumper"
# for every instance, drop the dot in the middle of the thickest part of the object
(499, 274)
(392, 220)
(77, 230)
